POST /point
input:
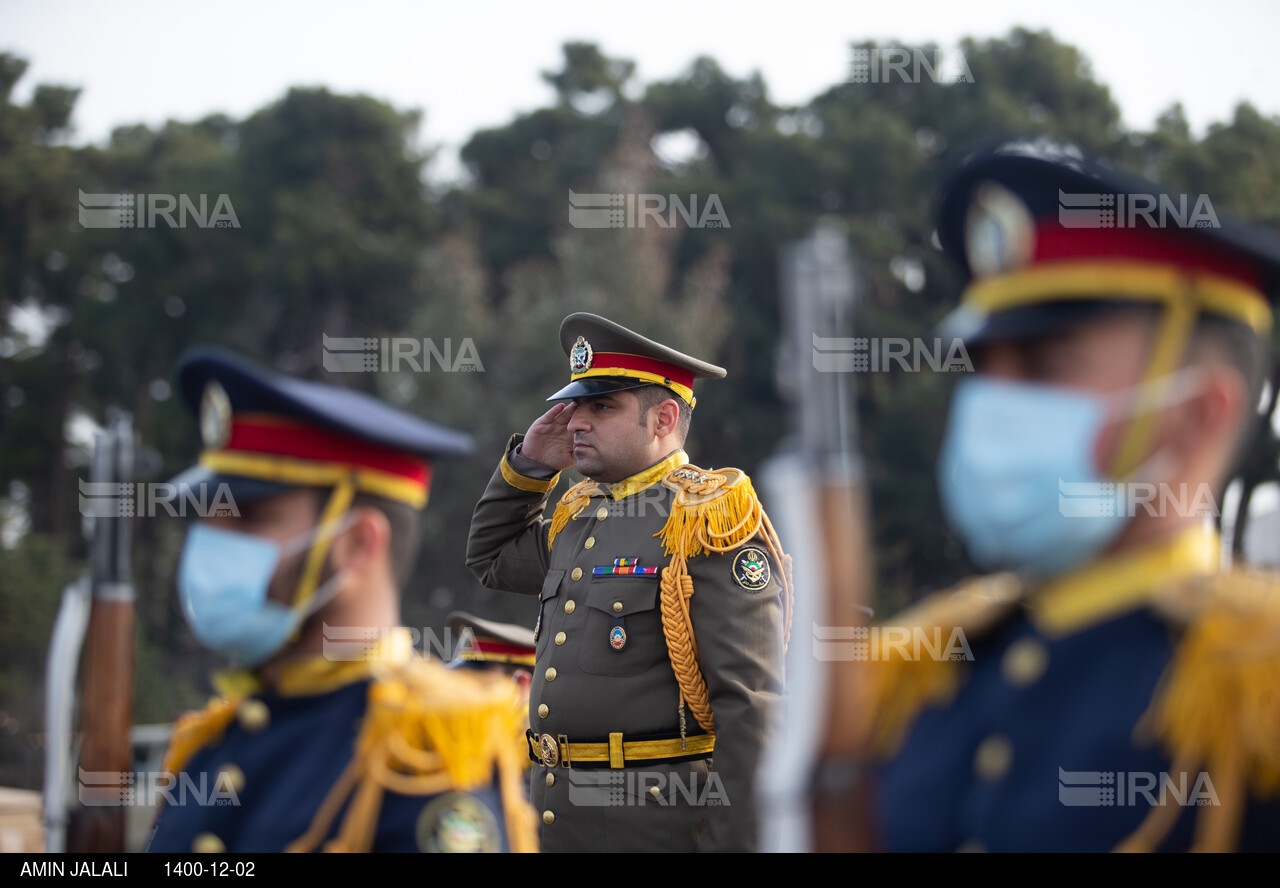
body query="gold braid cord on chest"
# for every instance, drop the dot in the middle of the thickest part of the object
(711, 512)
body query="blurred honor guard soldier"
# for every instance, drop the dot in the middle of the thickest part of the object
(1118, 686)
(486, 644)
(333, 736)
(661, 632)
(502, 648)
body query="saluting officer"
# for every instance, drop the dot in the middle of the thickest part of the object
(331, 734)
(1117, 686)
(663, 591)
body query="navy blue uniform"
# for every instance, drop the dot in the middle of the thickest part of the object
(1066, 736)
(261, 785)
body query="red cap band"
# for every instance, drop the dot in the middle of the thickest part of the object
(275, 436)
(617, 361)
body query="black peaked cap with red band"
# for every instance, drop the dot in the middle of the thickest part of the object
(607, 357)
(264, 432)
(482, 642)
(1048, 236)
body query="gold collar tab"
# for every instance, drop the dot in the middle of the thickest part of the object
(1121, 582)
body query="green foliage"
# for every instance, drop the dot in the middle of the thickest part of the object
(31, 580)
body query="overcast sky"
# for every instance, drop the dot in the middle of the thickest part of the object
(471, 65)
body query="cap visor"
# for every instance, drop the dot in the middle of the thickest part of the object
(200, 484)
(1028, 322)
(597, 385)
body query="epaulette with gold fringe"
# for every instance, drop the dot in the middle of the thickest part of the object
(194, 730)
(712, 511)
(429, 730)
(575, 499)
(1216, 710)
(898, 687)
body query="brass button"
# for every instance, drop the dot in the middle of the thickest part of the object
(654, 791)
(551, 674)
(560, 637)
(591, 541)
(548, 817)
(1024, 662)
(569, 606)
(617, 607)
(602, 513)
(577, 573)
(253, 715)
(551, 779)
(230, 775)
(543, 710)
(208, 843)
(993, 758)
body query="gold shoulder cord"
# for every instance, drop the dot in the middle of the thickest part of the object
(712, 512)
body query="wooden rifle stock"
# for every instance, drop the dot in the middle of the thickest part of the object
(106, 666)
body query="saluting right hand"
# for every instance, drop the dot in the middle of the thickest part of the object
(549, 440)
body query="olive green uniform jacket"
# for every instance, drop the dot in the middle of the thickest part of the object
(586, 686)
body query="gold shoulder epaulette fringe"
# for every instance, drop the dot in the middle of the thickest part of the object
(1216, 710)
(575, 499)
(712, 511)
(898, 687)
(429, 730)
(194, 730)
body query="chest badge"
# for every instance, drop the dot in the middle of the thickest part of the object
(617, 638)
(455, 822)
(751, 569)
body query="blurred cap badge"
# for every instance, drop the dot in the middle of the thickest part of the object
(580, 356)
(751, 569)
(215, 417)
(457, 823)
(1000, 234)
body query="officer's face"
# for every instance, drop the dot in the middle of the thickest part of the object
(1101, 355)
(609, 440)
(280, 519)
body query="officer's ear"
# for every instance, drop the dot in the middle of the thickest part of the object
(365, 543)
(1213, 418)
(667, 418)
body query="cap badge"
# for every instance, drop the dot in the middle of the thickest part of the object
(999, 233)
(215, 417)
(580, 356)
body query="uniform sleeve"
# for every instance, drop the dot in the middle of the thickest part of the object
(740, 647)
(507, 545)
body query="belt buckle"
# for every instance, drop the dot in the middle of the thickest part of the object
(548, 750)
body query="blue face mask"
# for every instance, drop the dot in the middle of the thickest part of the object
(222, 583)
(1011, 451)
